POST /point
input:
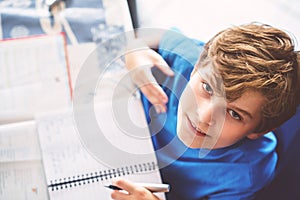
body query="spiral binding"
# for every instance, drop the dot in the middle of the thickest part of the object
(83, 179)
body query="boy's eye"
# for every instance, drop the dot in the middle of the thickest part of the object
(234, 115)
(207, 88)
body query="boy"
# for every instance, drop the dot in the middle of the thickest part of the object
(242, 86)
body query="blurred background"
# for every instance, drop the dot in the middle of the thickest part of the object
(202, 19)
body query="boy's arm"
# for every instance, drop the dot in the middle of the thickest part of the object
(140, 59)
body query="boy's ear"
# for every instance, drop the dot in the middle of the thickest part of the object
(194, 71)
(253, 136)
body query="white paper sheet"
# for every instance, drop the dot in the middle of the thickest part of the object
(21, 170)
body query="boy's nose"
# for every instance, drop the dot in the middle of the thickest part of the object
(212, 112)
(205, 113)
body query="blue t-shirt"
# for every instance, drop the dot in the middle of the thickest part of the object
(234, 172)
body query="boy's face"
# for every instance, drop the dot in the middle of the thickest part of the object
(206, 120)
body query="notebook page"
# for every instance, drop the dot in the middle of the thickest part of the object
(66, 160)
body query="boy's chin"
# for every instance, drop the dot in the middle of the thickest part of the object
(189, 142)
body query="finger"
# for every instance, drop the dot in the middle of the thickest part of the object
(163, 65)
(155, 93)
(125, 185)
(160, 108)
(157, 100)
(150, 86)
(118, 195)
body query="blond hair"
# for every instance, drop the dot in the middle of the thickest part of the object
(260, 58)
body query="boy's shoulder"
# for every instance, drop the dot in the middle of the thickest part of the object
(176, 46)
(246, 151)
(260, 147)
(261, 158)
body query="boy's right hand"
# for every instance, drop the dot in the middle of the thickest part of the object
(139, 63)
(133, 191)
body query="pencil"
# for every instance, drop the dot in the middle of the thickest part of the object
(152, 187)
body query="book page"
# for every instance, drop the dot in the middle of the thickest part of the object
(21, 170)
(19, 142)
(34, 76)
(22, 180)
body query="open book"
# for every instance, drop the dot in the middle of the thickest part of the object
(34, 77)
(74, 170)
(21, 170)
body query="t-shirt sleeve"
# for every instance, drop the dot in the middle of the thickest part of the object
(174, 45)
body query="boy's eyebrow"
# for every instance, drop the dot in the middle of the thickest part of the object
(242, 111)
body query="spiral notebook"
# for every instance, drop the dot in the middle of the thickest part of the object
(73, 172)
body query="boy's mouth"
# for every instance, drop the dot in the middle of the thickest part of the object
(195, 129)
